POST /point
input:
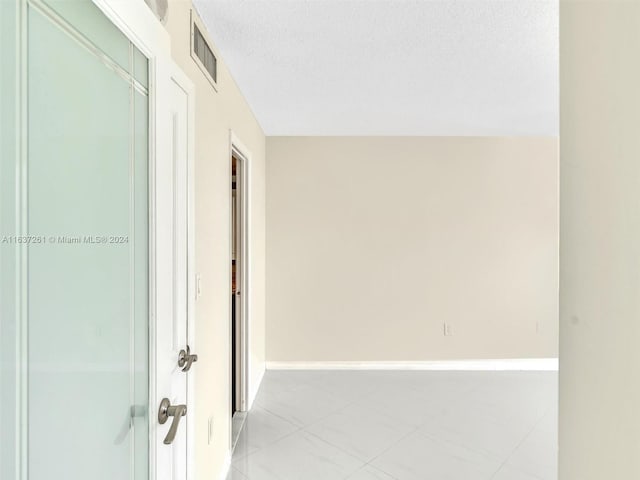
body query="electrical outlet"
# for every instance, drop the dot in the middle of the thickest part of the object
(210, 431)
(448, 330)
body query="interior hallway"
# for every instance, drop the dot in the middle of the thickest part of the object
(402, 425)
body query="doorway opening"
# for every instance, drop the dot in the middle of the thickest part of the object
(239, 291)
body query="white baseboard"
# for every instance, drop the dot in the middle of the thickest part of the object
(253, 391)
(511, 364)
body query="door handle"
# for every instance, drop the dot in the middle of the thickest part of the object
(185, 359)
(167, 410)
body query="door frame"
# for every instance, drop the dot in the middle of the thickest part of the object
(137, 22)
(237, 148)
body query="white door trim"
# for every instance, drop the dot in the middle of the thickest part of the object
(238, 148)
(140, 25)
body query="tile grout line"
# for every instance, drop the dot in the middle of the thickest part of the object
(367, 396)
(520, 444)
(418, 432)
(379, 410)
(303, 428)
(389, 448)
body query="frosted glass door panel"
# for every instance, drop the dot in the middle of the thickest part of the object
(88, 276)
(8, 253)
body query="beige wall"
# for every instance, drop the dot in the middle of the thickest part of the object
(600, 240)
(216, 114)
(374, 243)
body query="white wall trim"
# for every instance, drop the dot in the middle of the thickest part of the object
(511, 364)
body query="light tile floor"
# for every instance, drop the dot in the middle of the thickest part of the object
(380, 425)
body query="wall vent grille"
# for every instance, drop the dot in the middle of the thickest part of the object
(203, 54)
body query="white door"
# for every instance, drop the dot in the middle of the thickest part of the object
(176, 358)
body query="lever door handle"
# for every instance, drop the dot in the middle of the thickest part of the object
(167, 410)
(186, 358)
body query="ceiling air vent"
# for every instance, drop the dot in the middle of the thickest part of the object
(202, 53)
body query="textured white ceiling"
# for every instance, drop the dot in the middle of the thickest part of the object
(392, 67)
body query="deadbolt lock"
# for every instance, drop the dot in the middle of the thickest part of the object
(186, 358)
